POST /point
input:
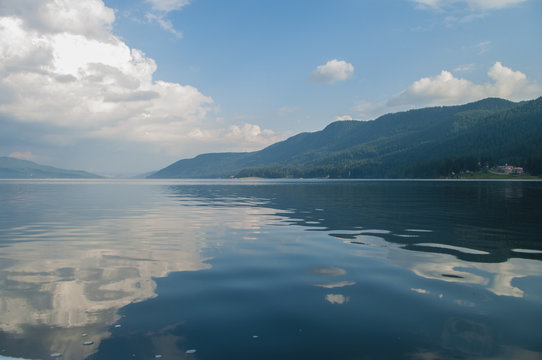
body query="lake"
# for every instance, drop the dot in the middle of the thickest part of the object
(285, 269)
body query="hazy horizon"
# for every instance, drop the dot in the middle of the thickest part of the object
(127, 87)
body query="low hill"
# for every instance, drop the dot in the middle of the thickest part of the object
(422, 143)
(11, 168)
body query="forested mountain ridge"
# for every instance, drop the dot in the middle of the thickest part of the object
(12, 168)
(428, 142)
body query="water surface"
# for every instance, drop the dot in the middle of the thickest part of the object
(271, 269)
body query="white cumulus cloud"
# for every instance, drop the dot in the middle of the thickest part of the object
(446, 89)
(333, 71)
(74, 79)
(251, 135)
(89, 18)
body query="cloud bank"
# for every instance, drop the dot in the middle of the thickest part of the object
(62, 68)
(333, 71)
(447, 89)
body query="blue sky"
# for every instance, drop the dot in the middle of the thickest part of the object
(121, 87)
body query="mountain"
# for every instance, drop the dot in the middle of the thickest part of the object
(422, 143)
(11, 168)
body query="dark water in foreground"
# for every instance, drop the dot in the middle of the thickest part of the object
(271, 270)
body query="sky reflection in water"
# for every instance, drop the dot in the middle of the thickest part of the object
(288, 269)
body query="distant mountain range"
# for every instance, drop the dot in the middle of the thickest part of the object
(423, 143)
(11, 168)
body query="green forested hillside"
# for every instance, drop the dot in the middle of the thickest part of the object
(429, 142)
(11, 168)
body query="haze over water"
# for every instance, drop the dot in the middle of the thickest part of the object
(271, 269)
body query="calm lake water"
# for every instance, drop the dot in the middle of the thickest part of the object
(271, 269)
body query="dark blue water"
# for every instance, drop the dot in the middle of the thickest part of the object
(271, 269)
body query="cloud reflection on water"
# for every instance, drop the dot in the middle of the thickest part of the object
(497, 278)
(74, 275)
(62, 276)
(337, 299)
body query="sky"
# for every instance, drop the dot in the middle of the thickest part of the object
(123, 87)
